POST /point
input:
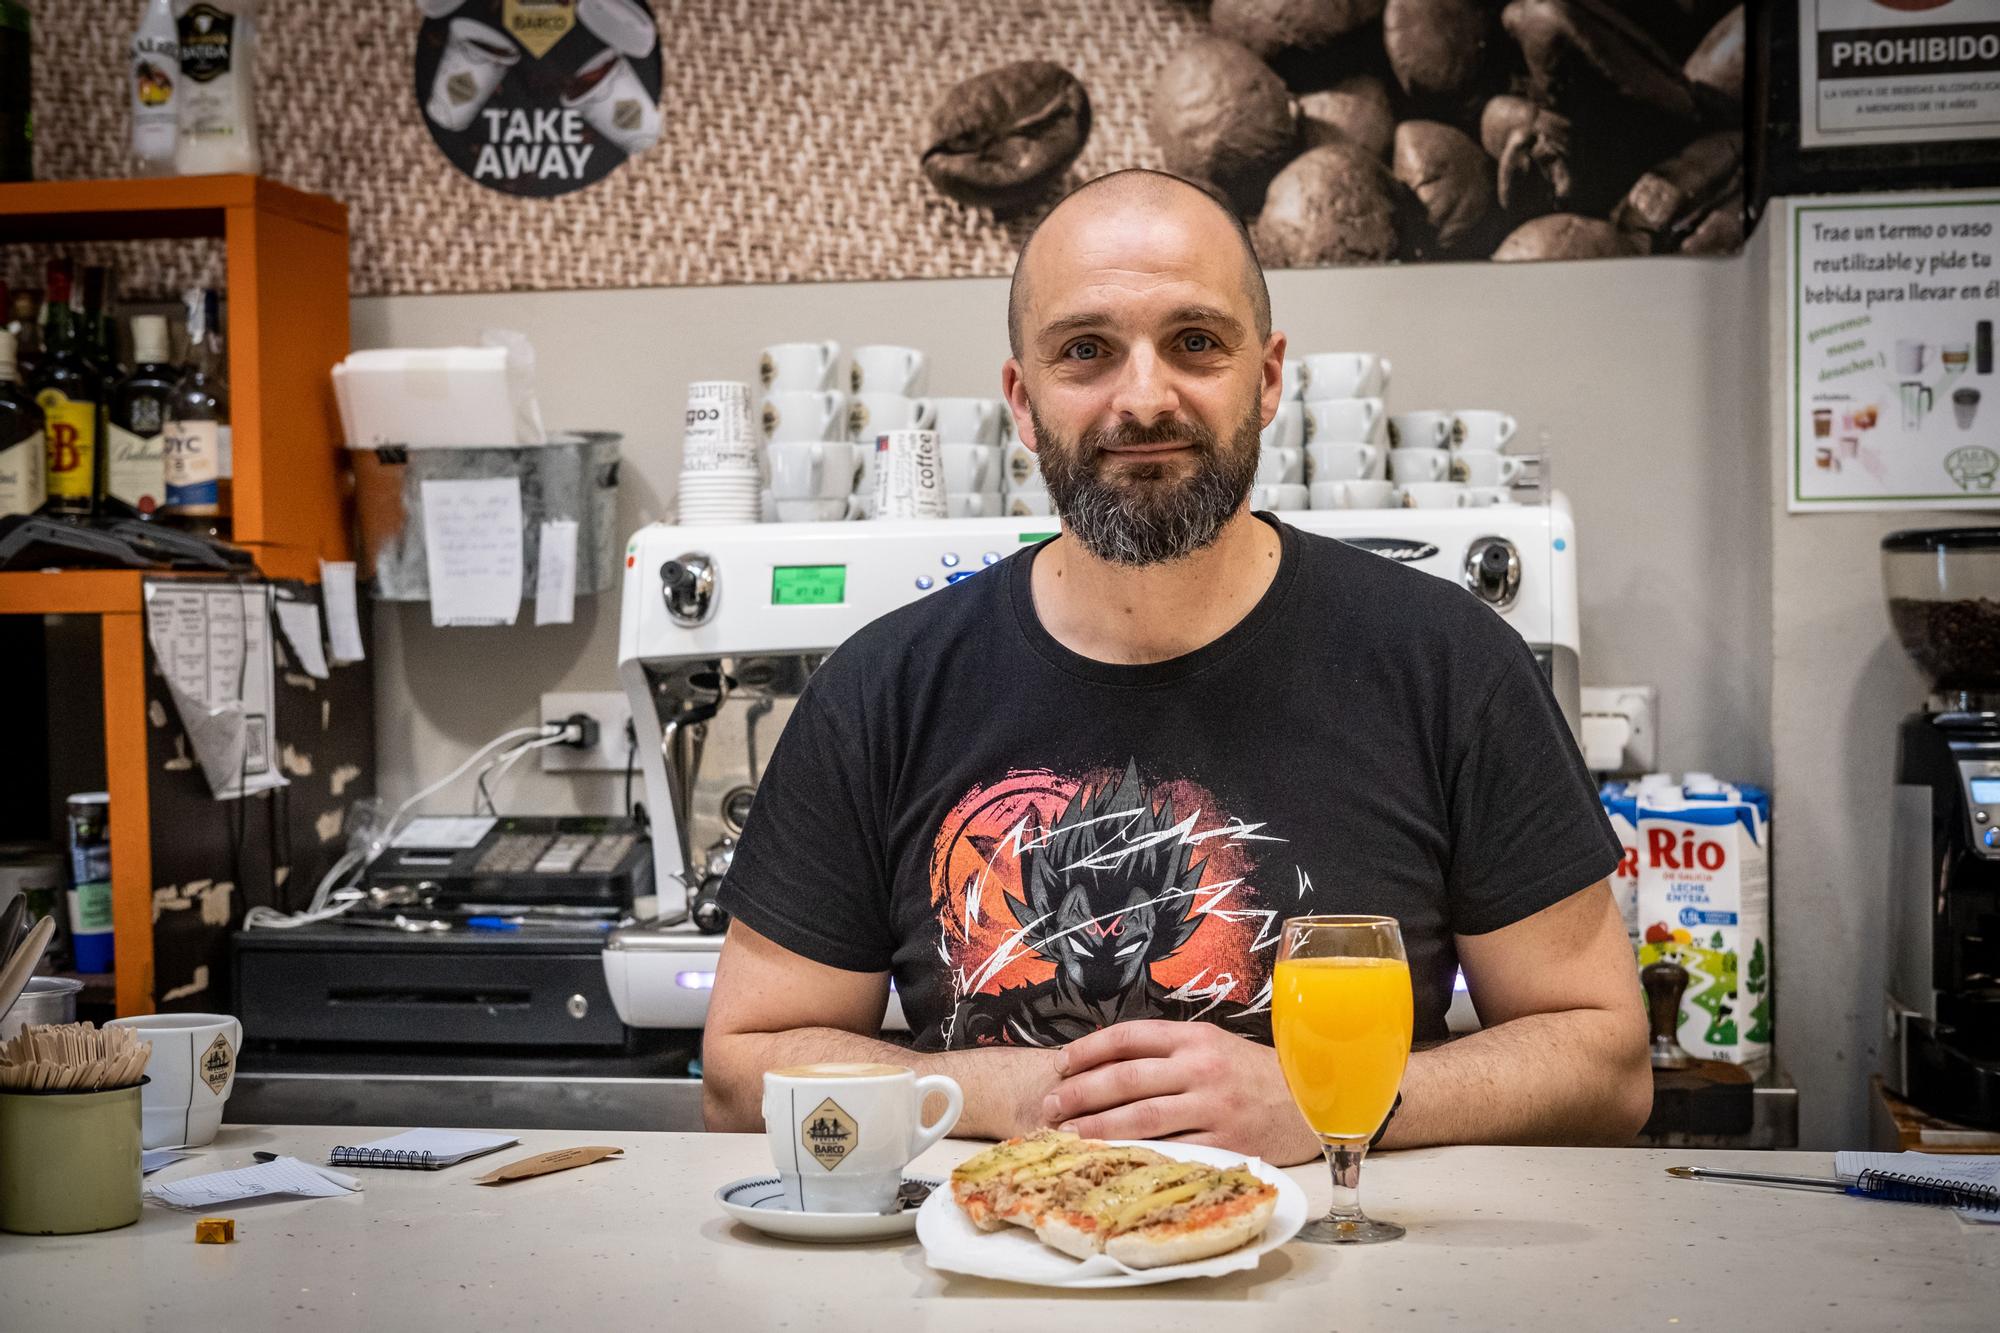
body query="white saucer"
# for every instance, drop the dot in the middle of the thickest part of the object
(758, 1201)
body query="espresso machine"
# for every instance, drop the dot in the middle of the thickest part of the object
(721, 626)
(1943, 1049)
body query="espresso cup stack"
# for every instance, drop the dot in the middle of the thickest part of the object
(1023, 493)
(1337, 424)
(969, 432)
(1452, 460)
(720, 472)
(802, 420)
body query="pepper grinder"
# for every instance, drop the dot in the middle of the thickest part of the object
(1665, 983)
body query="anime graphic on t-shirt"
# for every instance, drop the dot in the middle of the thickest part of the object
(1065, 905)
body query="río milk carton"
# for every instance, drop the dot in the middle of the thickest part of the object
(1705, 903)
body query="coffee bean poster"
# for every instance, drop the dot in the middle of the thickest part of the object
(1894, 402)
(539, 97)
(860, 140)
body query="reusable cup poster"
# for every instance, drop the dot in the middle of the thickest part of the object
(539, 97)
(1898, 71)
(1893, 400)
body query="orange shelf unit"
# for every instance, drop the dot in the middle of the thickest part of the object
(286, 257)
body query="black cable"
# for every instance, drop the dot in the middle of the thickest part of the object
(631, 762)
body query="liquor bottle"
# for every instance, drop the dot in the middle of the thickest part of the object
(25, 323)
(22, 465)
(100, 342)
(70, 389)
(135, 467)
(156, 77)
(196, 447)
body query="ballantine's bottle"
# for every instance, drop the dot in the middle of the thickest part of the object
(196, 442)
(70, 389)
(134, 465)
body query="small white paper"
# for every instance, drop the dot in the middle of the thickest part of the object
(555, 573)
(286, 1175)
(154, 1158)
(444, 832)
(472, 549)
(300, 621)
(343, 612)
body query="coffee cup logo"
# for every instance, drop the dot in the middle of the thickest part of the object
(767, 369)
(829, 1134)
(857, 412)
(217, 1063)
(770, 417)
(539, 24)
(1460, 470)
(1395, 437)
(1457, 432)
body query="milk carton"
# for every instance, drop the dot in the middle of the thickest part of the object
(1704, 901)
(1621, 807)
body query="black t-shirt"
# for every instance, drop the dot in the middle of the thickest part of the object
(1037, 844)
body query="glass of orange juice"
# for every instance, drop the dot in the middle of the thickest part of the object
(1340, 1016)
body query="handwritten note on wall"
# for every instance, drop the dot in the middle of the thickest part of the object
(472, 547)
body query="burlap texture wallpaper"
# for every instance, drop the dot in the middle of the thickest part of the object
(822, 140)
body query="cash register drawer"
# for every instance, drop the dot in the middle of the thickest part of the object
(329, 984)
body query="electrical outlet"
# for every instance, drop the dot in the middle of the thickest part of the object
(1633, 710)
(611, 712)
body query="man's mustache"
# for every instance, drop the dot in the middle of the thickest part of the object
(1132, 433)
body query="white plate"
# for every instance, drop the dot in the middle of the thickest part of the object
(953, 1245)
(759, 1201)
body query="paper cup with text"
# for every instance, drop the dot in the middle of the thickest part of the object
(841, 1134)
(189, 1075)
(909, 475)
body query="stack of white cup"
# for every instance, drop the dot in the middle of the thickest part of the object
(720, 476)
(1341, 428)
(803, 422)
(886, 383)
(969, 449)
(1452, 460)
(1022, 491)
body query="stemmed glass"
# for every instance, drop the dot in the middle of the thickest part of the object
(1341, 1018)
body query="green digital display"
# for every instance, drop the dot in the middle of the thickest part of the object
(808, 585)
(1028, 537)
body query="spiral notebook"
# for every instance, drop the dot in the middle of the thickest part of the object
(1969, 1184)
(421, 1149)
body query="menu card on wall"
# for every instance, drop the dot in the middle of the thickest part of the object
(1892, 400)
(212, 643)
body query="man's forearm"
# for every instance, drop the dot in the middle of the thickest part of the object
(1575, 1077)
(1004, 1088)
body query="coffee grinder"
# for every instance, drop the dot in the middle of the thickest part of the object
(1943, 1050)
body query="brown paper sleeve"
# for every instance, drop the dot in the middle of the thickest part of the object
(541, 1164)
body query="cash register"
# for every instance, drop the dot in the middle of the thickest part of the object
(481, 931)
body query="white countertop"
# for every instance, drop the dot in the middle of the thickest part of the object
(1498, 1238)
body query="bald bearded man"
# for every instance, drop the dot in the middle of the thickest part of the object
(1066, 804)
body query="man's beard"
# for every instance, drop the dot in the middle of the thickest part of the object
(1142, 514)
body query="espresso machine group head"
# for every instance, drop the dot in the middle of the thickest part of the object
(1943, 1049)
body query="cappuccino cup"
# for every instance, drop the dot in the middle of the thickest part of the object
(1278, 497)
(971, 467)
(1287, 429)
(881, 368)
(794, 367)
(1340, 462)
(872, 413)
(796, 416)
(1433, 495)
(1344, 375)
(819, 470)
(1281, 467)
(1352, 495)
(1419, 465)
(189, 1075)
(1333, 420)
(1420, 430)
(841, 1134)
(967, 420)
(1483, 467)
(1477, 428)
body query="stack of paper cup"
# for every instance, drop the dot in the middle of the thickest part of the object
(909, 476)
(721, 474)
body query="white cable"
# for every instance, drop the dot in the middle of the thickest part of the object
(508, 760)
(268, 918)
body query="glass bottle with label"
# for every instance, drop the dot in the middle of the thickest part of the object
(196, 444)
(100, 343)
(135, 468)
(22, 463)
(156, 75)
(218, 115)
(24, 321)
(70, 389)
